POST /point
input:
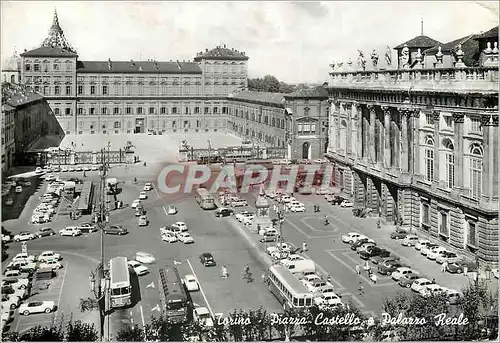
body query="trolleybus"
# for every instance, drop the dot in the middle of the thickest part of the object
(173, 297)
(120, 288)
(205, 199)
(287, 288)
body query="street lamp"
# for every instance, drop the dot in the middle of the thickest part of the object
(281, 219)
(209, 150)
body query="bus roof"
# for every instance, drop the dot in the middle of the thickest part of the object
(202, 191)
(119, 270)
(287, 278)
(170, 284)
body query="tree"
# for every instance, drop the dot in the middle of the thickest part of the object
(269, 83)
(79, 331)
(88, 304)
(131, 334)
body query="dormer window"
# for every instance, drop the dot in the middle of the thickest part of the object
(36, 67)
(56, 67)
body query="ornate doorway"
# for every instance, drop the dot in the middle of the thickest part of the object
(306, 150)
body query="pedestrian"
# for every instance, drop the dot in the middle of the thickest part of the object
(304, 247)
(465, 270)
(373, 277)
(378, 224)
(263, 277)
(360, 288)
(367, 266)
(358, 269)
(444, 267)
(329, 278)
(433, 280)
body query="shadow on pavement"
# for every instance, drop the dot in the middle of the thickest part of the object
(14, 211)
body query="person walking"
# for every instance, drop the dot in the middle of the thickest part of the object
(444, 267)
(361, 291)
(465, 270)
(224, 273)
(358, 269)
(373, 277)
(378, 224)
(304, 247)
(367, 266)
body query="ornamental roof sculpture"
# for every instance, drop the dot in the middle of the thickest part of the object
(56, 37)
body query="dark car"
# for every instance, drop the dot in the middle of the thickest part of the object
(380, 259)
(374, 251)
(458, 267)
(224, 212)
(407, 280)
(359, 243)
(399, 234)
(115, 230)
(268, 237)
(44, 232)
(207, 259)
(388, 267)
(337, 200)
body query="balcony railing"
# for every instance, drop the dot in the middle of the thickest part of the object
(465, 79)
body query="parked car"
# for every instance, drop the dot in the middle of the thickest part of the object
(365, 247)
(115, 230)
(135, 203)
(297, 208)
(337, 200)
(399, 234)
(458, 267)
(148, 186)
(374, 251)
(181, 225)
(168, 237)
(185, 238)
(315, 285)
(400, 272)
(138, 267)
(10, 301)
(16, 283)
(171, 210)
(360, 242)
(9, 201)
(352, 237)
(420, 284)
(50, 264)
(207, 259)
(143, 196)
(454, 296)
(143, 220)
(449, 257)
(24, 257)
(49, 255)
(409, 241)
(268, 237)
(434, 252)
(191, 283)
(224, 212)
(24, 236)
(427, 248)
(388, 267)
(23, 266)
(202, 316)
(44, 232)
(407, 279)
(86, 227)
(144, 257)
(346, 203)
(37, 306)
(431, 290)
(16, 274)
(70, 231)
(19, 189)
(328, 300)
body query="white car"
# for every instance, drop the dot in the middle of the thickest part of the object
(421, 244)
(16, 283)
(346, 203)
(294, 257)
(6, 238)
(432, 290)
(275, 248)
(191, 283)
(144, 257)
(37, 306)
(185, 238)
(323, 190)
(70, 231)
(400, 272)
(271, 194)
(48, 255)
(202, 315)
(50, 264)
(135, 203)
(11, 301)
(138, 267)
(94, 167)
(19, 189)
(435, 253)
(351, 237)
(24, 257)
(148, 186)
(239, 203)
(409, 241)
(420, 284)
(50, 177)
(239, 216)
(24, 236)
(286, 198)
(247, 220)
(181, 225)
(168, 237)
(328, 300)
(64, 169)
(171, 210)
(427, 249)
(143, 196)
(297, 208)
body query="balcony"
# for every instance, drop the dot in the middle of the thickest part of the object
(481, 79)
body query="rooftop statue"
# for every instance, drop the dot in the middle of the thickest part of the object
(374, 57)
(361, 60)
(388, 56)
(405, 57)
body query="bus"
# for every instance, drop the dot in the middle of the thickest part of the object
(173, 297)
(287, 288)
(120, 288)
(268, 164)
(205, 199)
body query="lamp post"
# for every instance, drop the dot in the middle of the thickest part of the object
(209, 150)
(281, 219)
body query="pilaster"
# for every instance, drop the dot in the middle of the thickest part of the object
(387, 135)
(414, 142)
(404, 139)
(359, 141)
(490, 158)
(371, 133)
(349, 139)
(436, 115)
(458, 119)
(333, 127)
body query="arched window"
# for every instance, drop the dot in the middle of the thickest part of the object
(429, 158)
(476, 170)
(343, 135)
(449, 158)
(13, 79)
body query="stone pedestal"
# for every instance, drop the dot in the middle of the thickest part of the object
(72, 158)
(129, 157)
(261, 219)
(94, 157)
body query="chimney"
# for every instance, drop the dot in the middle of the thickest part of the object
(132, 62)
(224, 46)
(179, 65)
(206, 50)
(109, 64)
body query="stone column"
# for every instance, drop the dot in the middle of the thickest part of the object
(490, 158)
(333, 128)
(414, 142)
(458, 119)
(396, 144)
(338, 125)
(387, 135)
(371, 134)
(404, 139)
(436, 115)
(348, 145)
(359, 122)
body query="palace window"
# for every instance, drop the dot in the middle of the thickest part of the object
(104, 111)
(443, 223)
(117, 125)
(448, 122)
(139, 110)
(80, 90)
(80, 112)
(128, 110)
(68, 111)
(428, 119)
(57, 111)
(163, 110)
(197, 110)
(36, 67)
(426, 214)
(46, 90)
(104, 90)
(450, 164)
(216, 110)
(476, 170)
(207, 110)
(27, 67)
(475, 125)
(68, 90)
(151, 110)
(92, 110)
(186, 110)
(57, 90)
(471, 233)
(174, 110)
(92, 90)
(429, 159)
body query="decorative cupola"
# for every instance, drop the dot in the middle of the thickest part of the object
(459, 54)
(439, 57)
(56, 38)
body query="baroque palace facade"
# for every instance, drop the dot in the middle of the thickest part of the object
(204, 95)
(418, 144)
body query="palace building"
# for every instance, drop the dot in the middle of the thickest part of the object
(204, 95)
(418, 143)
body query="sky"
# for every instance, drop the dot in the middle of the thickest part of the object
(294, 41)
